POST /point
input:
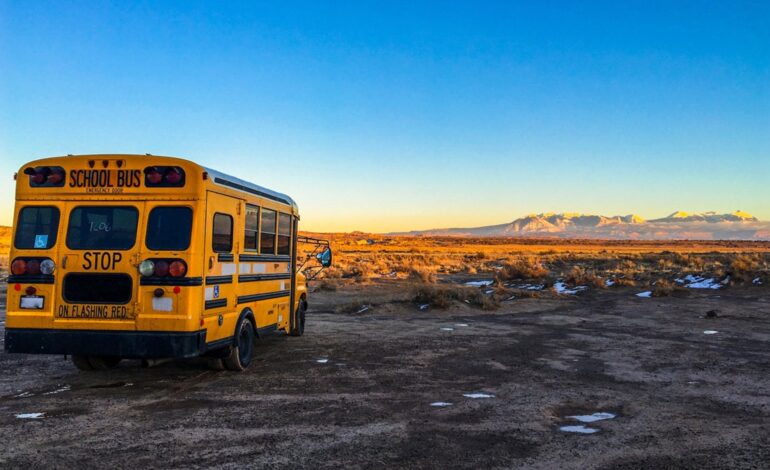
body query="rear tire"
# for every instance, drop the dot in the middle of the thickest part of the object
(95, 362)
(298, 325)
(240, 353)
(81, 362)
(103, 362)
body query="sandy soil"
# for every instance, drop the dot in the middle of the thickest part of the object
(682, 398)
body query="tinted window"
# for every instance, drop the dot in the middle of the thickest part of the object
(267, 237)
(168, 228)
(223, 233)
(102, 228)
(37, 228)
(252, 228)
(284, 234)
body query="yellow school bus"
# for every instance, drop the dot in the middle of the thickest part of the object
(129, 256)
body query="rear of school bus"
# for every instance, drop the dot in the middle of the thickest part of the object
(83, 227)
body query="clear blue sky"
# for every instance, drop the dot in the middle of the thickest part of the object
(393, 116)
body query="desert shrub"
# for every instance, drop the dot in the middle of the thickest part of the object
(522, 268)
(441, 297)
(578, 276)
(664, 288)
(624, 282)
(744, 267)
(422, 275)
(326, 285)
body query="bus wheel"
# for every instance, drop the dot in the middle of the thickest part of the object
(81, 362)
(298, 325)
(103, 362)
(240, 353)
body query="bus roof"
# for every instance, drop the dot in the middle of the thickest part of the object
(238, 184)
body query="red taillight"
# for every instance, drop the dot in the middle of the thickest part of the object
(45, 176)
(177, 268)
(55, 177)
(161, 268)
(31, 290)
(153, 176)
(164, 176)
(33, 267)
(19, 267)
(38, 177)
(173, 177)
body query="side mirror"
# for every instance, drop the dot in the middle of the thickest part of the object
(325, 257)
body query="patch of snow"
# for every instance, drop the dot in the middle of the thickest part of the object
(461, 324)
(58, 390)
(440, 404)
(609, 283)
(484, 283)
(446, 328)
(645, 295)
(699, 282)
(710, 332)
(513, 297)
(562, 289)
(529, 286)
(30, 415)
(322, 361)
(24, 395)
(757, 282)
(593, 417)
(581, 429)
(477, 396)
(424, 306)
(363, 309)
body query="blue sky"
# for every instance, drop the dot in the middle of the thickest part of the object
(395, 116)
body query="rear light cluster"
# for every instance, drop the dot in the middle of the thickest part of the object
(164, 177)
(32, 266)
(45, 176)
(163, 268)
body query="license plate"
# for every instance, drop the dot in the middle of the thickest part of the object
(32, 302)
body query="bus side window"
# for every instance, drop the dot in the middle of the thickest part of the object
(222, 239)
(251, 240)
(267, 235)
(284, 234)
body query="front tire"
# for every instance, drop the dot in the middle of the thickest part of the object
(298, 325)
(240, 353)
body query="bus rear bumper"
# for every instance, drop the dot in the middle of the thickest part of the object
(126, 344)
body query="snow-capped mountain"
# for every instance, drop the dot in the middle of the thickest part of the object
(737, 225)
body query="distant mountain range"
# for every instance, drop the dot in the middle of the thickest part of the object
(737, 225)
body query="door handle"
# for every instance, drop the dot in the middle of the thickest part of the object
(64, 262)
(211, 263)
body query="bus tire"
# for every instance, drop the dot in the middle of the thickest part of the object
(103, 362)
(240, 352)
(298, 325)
(82, 363)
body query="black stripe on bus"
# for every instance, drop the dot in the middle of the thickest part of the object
(25, 279)
(241, 187)
(264, 258)
(216, 303)
(170, 281)
(243, 299)
(263, 277)
(219, 280)
(225, 257)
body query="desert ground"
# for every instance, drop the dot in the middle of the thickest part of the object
(440, 353)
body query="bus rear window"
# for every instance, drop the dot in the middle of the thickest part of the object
(36, 228)
(168, 229)
(102, 228)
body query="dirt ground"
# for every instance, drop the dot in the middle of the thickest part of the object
(682, 398)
